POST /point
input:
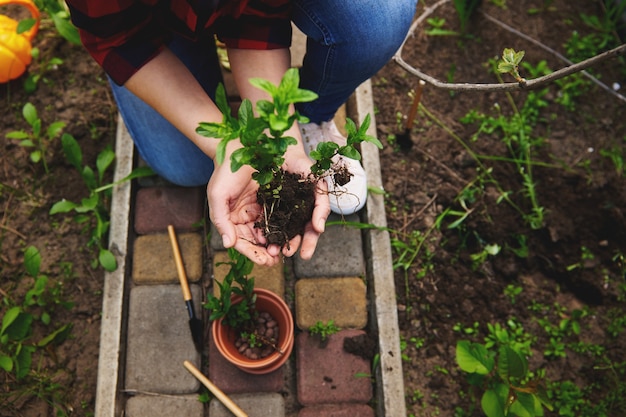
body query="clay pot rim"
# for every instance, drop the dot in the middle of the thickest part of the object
(285, 341)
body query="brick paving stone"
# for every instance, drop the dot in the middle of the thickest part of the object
(164, 406)
(157, 207)
(153, 258)
(342, 300)
(329, 375)
(159, 340)
(268, 277)
(255, 405)
(337, 410)
(231, 379)
(339, 252)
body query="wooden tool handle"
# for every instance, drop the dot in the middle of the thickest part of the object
(416, 102)
(182, 276)
(219, 394)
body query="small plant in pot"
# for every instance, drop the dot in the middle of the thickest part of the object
(252, 327)
(286, 199)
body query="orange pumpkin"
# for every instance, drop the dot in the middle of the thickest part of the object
(15, 49)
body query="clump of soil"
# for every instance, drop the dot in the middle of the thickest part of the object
(287, 206)
(363, 345)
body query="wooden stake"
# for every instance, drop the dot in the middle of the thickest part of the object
(219, 394)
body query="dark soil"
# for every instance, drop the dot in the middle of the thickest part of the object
(286, 214)
(444, 291)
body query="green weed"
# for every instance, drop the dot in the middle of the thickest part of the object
(323, 330)
(511, 291)
(617, 155)
(95, 206)
(16, 347)
(509, 388)
(37, 140)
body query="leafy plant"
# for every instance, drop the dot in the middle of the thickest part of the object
(512, 291)
(509, 387)
(517, 135)
(37, 72)
(480, 258)
(510, 62)
(259, 150)
(617, 155)
(95, 206)
(37, 140)
(326, 151)
(437, 27)
(236, 282)
(17, 323)
(242, 316)
(512, 335)
(60, 17)
(324, 330)
(604, 35)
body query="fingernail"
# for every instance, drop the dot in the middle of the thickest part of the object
(226, 241)
(322, 225)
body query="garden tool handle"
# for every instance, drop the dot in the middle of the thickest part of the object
(34, 11)
(180, 267)
(219, 394)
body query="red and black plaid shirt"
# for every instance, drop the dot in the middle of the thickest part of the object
(123, 35)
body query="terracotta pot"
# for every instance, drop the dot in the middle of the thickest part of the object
(224, 336)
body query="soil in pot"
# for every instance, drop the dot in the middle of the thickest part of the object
(262, 341)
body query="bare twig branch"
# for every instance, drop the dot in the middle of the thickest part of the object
(528, 84)
(12, 230)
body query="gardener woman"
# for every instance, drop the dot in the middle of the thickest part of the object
(161, 58)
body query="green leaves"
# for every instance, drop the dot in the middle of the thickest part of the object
(511, 364)
(260, 150)
(95, 204)
(510, 63)
(325, 151)
(508, 391)
(35, 140)
(474, 358)
(236, 282)
(14, 355)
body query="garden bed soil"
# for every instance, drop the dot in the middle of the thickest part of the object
(445, 288)
(573, 262)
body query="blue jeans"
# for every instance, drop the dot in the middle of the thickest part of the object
(348, 41)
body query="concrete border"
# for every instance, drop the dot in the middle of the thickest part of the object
(381, 285)
(112, 327)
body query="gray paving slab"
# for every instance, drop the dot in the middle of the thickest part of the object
(255, 405)
(164, 406)
(339, 252)
(159, 340)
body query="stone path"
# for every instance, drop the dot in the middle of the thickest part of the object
(318, 381)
